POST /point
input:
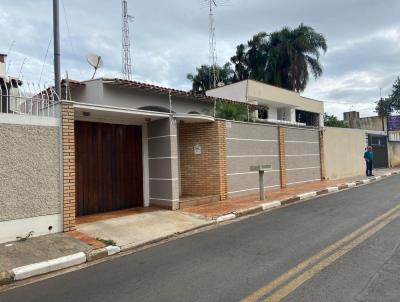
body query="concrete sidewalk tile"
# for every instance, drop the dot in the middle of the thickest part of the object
(5, 278)
(271, 205)
(226, 217)
(307, 195)
(40, 268)
(248, 211)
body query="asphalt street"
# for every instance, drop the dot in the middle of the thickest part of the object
(340, 247)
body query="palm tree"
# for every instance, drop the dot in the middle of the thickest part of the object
(201, 81)
(292, 55)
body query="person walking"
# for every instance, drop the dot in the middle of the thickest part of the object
(369, 160)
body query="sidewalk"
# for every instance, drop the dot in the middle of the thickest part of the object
(232, 205)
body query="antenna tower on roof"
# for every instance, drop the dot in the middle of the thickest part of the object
(126, 44)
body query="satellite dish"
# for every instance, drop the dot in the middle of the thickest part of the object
(95, 61)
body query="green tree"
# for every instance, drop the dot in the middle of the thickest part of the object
(201, 81)
(230, 111)
(293, 55)
(239, 61)
(285, 58)
(333, 121)
(386, 106)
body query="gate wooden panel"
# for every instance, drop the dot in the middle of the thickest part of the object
(109, 174)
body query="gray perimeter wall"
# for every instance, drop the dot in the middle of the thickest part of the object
(302, 155)
(29, 171)
(163, 163)
(251, 144)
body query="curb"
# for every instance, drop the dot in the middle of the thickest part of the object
(5, 278)
(48, 266)
(304, 196)
(44, 267)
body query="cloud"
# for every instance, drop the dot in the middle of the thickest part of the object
(170, 38)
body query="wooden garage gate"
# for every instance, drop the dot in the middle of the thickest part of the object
(109, 172)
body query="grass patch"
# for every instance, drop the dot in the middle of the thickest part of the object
(106, 241)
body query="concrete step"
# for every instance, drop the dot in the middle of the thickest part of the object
(191, 201)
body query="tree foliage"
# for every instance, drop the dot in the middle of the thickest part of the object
(233, 112)
(333, 121)
(201, 81)
(284, 58)
(386, 106)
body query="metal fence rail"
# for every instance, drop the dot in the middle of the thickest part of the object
(29, 99)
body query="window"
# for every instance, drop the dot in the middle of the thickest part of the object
(263, 114)
(308, 118)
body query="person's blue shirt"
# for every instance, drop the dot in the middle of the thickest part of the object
(369, 155)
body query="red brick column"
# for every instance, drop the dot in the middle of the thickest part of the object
(223, 178)
(282, 156)
(203, 174)
(68, 157)
(321, 154)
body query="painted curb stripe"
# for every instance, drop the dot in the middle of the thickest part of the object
(226, 217)
(40, 268)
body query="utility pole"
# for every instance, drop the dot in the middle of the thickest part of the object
(57, 64)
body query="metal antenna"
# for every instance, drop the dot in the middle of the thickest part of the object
(22, 66)
(126, 44)
(212, 44)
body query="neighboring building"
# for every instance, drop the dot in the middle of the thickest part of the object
(386, 144)
(9, 89)
(284, 105)
(352, 120)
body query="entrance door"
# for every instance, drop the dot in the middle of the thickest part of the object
(379, 146)
(109, 173)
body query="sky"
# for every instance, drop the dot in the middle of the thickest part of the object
(170, 38)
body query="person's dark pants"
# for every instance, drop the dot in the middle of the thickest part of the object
(369, 168)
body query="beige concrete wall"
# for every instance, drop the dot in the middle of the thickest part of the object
(236, 92)
(259, 91)
(248, 145)
(302, 155)
(394, 154)
(29, 171)
(343, 150)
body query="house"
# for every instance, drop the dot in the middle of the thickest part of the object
(284, 106)
(113, 144)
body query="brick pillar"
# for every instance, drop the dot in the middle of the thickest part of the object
(282, 156)
(68, 157)
(321, 154)
(221, 142)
